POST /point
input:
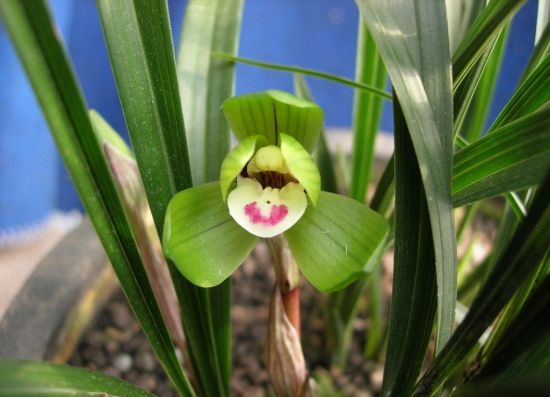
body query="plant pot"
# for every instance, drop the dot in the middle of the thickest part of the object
(54, 305)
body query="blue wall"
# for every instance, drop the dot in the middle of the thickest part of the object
(318, 34)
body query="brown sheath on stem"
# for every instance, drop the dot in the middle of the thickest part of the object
(284, 357)
(291, 302)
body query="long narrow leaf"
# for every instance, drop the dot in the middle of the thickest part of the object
(434, 66)
(427, 116)
(517, 302)
(487, 24)
(530, 325)
(31, 379)
(540, 52)
(531, 94)
(138, 39)
(367, 111)
(414, 298)
(205, 82)
(464, 95)
(526, 249)
(533, 360)
(543, 15)
(460, 16)
(527, 385)
(125, 174)
(513, 157)
(383, 195)
(142, 57)
(307, 72)
(323, 156)
(51, 75)
(478, 112)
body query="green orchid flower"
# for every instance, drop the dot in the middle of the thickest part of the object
(270, 185)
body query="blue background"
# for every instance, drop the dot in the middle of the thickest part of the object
(317, 34)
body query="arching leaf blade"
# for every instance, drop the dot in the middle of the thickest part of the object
(513, 157)
(30, 379)
(44, 58)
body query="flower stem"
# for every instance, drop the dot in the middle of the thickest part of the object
(284, 357)
(288, 278)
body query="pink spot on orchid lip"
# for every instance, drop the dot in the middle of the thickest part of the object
(277, 214)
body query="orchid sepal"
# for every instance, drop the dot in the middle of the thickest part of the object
(337, 242)
(201, 238)
(272, 113)
(237, 159)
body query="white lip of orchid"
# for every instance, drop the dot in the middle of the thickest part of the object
(266, 212)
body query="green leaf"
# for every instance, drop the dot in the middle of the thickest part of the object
(337, 242)
(301, 166)
(273, 112)
(139, 43)
(464, 95)
(383, 195)
(367, 111)
(125, 174)
(138, 40)
(414, 299)
(38, 44)
(377, 319)
(479, 36)
(516, 304)
(513, 157)
(434, 66)
(528, 385)
(543, 15)
(322, 154)
(535, 359)
(531, 94)
(201, 238)
(526, 249)
(342, 304)
(529, 327)
(307, 72)
(26, 378)
(540, 52)
(476, 115)
(205, 81)
(460, 16)
(237, 159)
(419, 68)
(326, 165)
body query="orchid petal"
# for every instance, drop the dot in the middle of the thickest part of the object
(301, 166)
(236, 160)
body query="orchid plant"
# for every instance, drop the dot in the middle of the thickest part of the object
(269, 185)
(486, 334)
